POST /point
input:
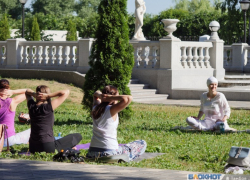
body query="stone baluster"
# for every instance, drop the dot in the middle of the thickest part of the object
(58, 55)
(44, 56)
(184, 57)
(146, 51)
(38, 55)
(1, 55)
(64, 55)
(206, 58)
(230, 57)
(25, 59)
(137, 56)
(76, 50)
(50, 55)
(189, 57)
(4, 55)
(225, 58)
(248, 57)
(201, 57)
(195, 57)
(71, 56)
(154, 55)
(30, 56)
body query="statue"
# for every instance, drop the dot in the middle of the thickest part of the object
(140, 10)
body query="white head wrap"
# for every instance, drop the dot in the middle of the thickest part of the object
(211, 80)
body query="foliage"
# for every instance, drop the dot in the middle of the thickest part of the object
(35, 31)
(57, 8)
(231, 14)
(187, 151)
(86, 8)
(4, 28)
(111, 59)
(71, 34)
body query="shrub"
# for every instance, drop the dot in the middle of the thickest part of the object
(112, 58)
(4, 28)
(35, 31)
(71, 34)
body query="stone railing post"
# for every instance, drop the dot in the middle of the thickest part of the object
(217, 58)
(13, 53)
(84, 50)
(238, 57)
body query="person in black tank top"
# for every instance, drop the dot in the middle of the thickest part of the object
(41, 114)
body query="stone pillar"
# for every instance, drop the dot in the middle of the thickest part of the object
(238, 57)
(13, 53)
(217, 58)
(85, 46)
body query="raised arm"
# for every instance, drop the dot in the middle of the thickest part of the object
(124, 101)
(96, 99)
(61, 97)
(17, 99)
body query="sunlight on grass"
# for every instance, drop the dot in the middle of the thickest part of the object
(189, 151)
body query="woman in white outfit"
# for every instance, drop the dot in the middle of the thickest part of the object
(215, 107)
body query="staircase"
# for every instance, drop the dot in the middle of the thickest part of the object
(143, 93)
(235, 81)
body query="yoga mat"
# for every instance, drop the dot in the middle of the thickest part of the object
(189, 128)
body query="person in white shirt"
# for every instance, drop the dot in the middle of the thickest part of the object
(106, 105)
(215, 107)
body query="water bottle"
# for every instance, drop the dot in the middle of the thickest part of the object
(222, 127)
(59, 136)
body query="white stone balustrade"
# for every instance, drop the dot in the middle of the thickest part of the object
(227, 56)
(146, 54)
(49, 55)
(195, 54)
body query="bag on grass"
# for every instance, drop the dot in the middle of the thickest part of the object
(24, 118)
(68, 154)
(239, 156)
(3, 128)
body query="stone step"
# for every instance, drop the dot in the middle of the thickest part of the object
(237, 77)
(134, 81)
(230, 83)
(232, 94)
(138, 86)
(144, 92)
(155, 97)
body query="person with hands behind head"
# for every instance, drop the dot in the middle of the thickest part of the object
(8, 107)
(215, 107)
(41, 114)
(106, 106)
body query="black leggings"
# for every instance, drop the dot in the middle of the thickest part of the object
(65, 142)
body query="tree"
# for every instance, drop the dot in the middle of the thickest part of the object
(232, 24)
(4, 28)
(196, 6)
(112, 60)
(58, 8)
(35, 31)
(85, 8)
(11, 7)
(71, 34)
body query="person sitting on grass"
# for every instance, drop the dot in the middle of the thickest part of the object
(7, 113)
(106, 106)
(41, 114)
(215, 107)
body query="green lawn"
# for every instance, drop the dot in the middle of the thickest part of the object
(190, 151)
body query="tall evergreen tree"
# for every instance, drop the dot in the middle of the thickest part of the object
(112, 59)
(35, 31)
(71, 34)
(4, 28)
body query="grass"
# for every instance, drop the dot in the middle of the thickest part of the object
(189, 151)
